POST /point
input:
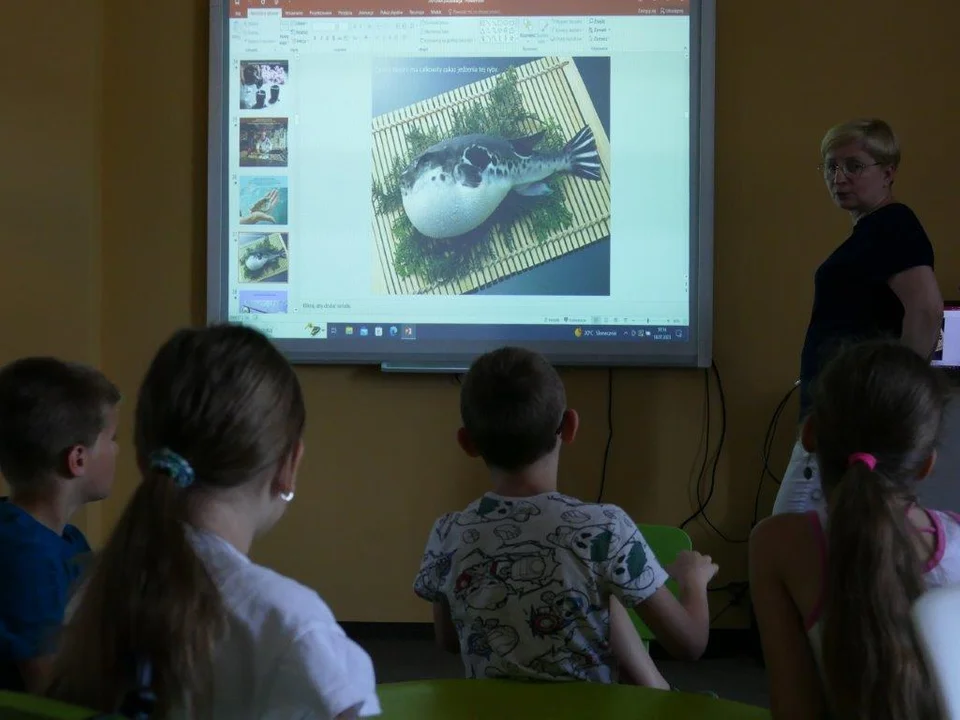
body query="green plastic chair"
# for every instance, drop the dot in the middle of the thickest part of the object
(666, 542)
(507, 700)
(18, 706)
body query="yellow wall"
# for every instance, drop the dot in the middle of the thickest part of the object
(50, 221)
(107, 281)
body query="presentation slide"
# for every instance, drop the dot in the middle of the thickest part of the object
(438, 177)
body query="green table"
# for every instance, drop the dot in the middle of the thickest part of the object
(17, 706)
(503, 700)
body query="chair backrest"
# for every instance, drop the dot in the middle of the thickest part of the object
(666, 542)
(18, 706)
(936, 616)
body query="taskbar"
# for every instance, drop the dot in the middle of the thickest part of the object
(366, 332)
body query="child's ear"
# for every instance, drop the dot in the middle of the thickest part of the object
(297, 456)
(569, 426)
(76, 461)
(466, 443)
(927, 466)
(808, 436)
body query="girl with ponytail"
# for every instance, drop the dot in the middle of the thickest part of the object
(174, 607)
(832, 589)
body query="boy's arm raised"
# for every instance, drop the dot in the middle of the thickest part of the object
(682, 626)
(636, 578)
(636, 666)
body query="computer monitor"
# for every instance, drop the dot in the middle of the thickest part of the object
(947, 353)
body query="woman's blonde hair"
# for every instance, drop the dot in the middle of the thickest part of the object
(876, 136)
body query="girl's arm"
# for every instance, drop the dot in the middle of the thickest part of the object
(796, 692)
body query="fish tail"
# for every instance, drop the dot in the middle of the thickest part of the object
(582, 155)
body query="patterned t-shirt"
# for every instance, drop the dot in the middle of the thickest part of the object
(528, 582)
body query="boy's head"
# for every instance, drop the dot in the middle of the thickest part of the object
(514, 409)
(57, 422)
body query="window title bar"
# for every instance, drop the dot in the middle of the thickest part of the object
(446, 8)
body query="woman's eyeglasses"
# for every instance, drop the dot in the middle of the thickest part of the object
(851, 167)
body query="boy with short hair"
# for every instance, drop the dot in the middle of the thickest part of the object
(58, 447)
(525, 582)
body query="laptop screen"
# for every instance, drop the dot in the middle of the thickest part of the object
(947, 354)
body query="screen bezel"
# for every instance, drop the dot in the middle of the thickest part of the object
(696, 353)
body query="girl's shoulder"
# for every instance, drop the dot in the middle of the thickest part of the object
(786, 525)
(777, 540)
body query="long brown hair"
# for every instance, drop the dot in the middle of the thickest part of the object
(225, 400)
(883, 399)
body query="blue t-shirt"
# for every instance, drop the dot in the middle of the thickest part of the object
(38, 571)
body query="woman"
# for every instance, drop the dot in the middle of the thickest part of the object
(878, 284)
(174, 605)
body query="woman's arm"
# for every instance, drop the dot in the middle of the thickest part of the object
(922, 307)
(796, 692)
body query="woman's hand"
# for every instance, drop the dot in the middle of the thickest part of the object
(260, 210)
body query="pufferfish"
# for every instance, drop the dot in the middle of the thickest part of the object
(453, 187)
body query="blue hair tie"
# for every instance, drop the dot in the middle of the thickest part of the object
(174, 465)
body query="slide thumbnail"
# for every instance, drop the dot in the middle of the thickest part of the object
(264, 257)
(263, 84)
(263, 301)
(263, 200)
(485, 168)
(263, 142)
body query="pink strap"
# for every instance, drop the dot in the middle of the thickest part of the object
(932, 530)
(939, 541)
(938, 550)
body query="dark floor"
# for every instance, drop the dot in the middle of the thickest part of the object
(402, 659)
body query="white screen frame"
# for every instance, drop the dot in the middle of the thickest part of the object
(454, 356)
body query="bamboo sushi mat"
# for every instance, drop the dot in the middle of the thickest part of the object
(552, 88)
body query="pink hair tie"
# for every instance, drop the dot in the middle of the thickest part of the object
(866, 458)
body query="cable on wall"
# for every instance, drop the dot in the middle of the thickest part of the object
(704, 502)
(768, 441)
(606, 452)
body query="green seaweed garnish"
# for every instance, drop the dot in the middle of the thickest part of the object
(501, 113)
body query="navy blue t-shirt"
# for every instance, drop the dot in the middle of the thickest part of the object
(852, 299)
(38, 571)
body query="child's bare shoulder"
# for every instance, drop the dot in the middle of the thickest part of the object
(779, 534)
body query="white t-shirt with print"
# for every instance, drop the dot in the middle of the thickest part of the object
(285, 657)
(528, 582)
